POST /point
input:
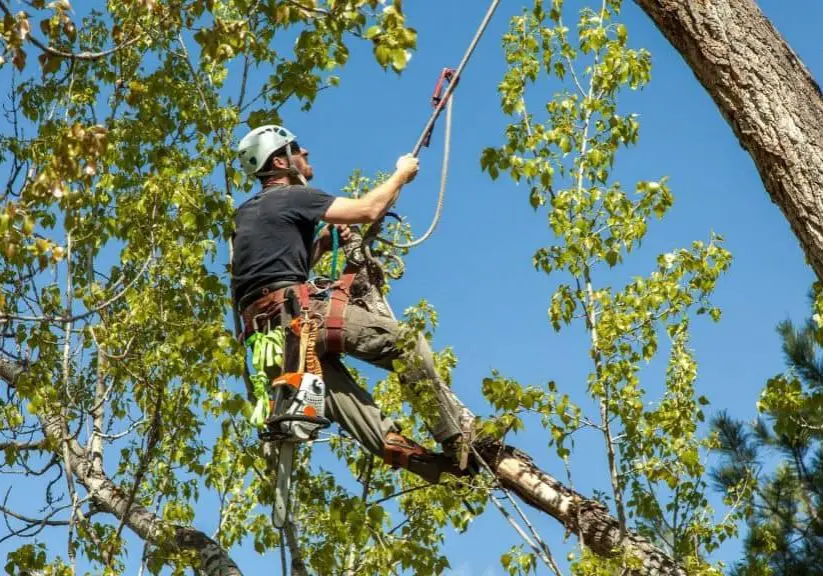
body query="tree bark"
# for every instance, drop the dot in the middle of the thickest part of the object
(109, 497)
(589, 519)
(767, 96)
(214, 561)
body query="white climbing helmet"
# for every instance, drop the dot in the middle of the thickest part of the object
(256, 146)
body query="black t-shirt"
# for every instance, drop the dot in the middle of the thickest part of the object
(273, 236)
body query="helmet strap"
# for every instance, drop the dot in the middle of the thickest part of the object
(292, 172)
(293, 167)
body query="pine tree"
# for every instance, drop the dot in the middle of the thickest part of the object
(785, 532)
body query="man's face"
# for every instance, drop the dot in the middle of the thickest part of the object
(300, 157)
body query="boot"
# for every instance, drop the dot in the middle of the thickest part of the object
(402, 452)
(458, 449)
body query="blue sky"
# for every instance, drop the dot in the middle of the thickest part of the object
(477, 270)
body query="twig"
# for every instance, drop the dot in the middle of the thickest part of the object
(124, 433)
(401, 493)
(21, 446)
(298, 566)
(310, 9)
(70, 319)
(38, 521)
(548, 560)
(151, 442)
(97, 412)
(63, 417)
(85, 55)
(349, 570)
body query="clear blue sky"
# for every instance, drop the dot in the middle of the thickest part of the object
(482, 250)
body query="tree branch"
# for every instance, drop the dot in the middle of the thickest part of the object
(21, 446)
(34, 521)
(110, 498)
(85, 55)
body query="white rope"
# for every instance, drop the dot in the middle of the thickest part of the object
(441, 196)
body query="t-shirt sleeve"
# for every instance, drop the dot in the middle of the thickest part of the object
(311, 204)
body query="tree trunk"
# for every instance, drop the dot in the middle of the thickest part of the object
(765, 93)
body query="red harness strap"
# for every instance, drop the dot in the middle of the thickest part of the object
(338, 300)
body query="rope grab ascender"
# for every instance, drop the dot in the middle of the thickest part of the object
(441, 99)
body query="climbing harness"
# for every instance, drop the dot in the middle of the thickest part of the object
(338, 290)
(442, 101)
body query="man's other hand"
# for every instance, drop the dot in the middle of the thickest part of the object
(345, 233)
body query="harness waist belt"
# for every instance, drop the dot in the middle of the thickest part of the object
(259, 291)
(268, 300)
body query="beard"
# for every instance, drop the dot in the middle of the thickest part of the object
(307, 171)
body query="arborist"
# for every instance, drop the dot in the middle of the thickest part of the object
(274, 249)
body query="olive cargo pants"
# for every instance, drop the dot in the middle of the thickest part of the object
(374, 339)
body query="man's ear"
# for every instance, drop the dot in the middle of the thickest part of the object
(279, 162)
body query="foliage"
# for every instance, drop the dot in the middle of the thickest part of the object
(652, 446)
(784, 502)
(113, 290)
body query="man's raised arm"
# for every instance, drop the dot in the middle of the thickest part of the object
(376, 202)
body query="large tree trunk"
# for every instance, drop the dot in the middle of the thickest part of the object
(516, 471)
(766, 94)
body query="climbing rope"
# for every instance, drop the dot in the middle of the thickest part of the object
(441, 196)
(444, 102)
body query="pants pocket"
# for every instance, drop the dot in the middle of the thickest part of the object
(370, 337)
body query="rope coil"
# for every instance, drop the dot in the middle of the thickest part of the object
(441, 196)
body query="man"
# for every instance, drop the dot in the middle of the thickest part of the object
(274, 249)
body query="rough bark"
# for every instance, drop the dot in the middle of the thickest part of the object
(598, 529)
(9, 371)
(109, 497)
(766, 94)
(591, 520)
